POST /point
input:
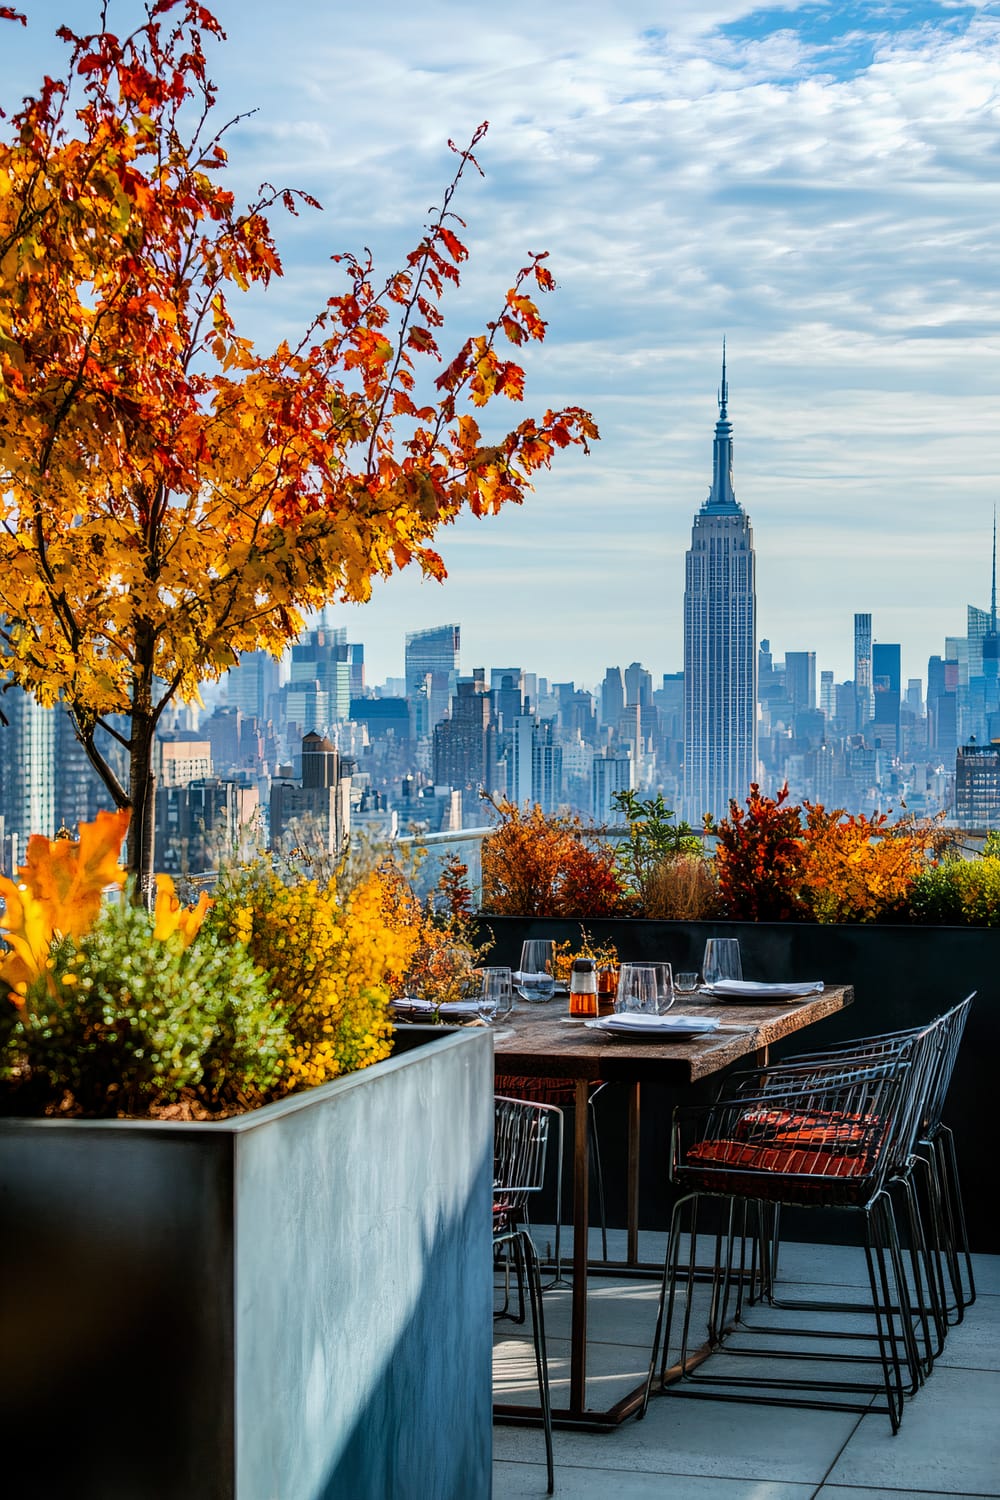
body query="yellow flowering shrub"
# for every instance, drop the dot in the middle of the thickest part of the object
(330, 958)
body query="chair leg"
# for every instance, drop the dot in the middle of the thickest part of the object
(534, 1280)
(667, 1300)
(943, 1147)
(595, 1162)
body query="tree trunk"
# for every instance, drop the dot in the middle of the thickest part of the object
(142, 794)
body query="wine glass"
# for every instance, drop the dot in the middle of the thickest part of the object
(496, 980)
(722, 960)
(637, 988)
(536, 977)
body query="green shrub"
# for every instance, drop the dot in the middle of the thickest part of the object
(959, 892)
(124, 1020)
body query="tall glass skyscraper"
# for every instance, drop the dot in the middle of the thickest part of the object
(720, 629)
(431, 674)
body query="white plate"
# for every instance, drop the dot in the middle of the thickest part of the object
(752, 992)
(410, 1005)
(650, 1028)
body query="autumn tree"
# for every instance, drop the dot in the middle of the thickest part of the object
(170, 496)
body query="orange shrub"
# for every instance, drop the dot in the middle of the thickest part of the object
(861, 869)
(537, 864)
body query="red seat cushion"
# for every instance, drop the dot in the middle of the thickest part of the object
(763, 1157)
(821, 1130)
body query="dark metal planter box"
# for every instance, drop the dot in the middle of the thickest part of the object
(902, 976)
(292, 1305)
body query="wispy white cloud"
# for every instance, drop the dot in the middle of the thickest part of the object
(819, 181)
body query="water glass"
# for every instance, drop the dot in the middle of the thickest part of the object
(536, 979)
(496, 981)
(664, 988)
(486, 1002)
(637, 988)
(686, 982)
(722, 960)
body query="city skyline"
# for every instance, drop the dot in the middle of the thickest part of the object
(814, 181)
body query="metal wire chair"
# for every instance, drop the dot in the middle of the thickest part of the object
(828, 1141)
(932, 1155)
(561, 1094)
(520, 1140)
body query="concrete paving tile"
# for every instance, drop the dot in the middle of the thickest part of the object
(949, 1441)
(707, 1438)
(986, 1269)
(618, 1312)
(612, 1371)
(515, 1481)
(845, 1492)
(974, 1344)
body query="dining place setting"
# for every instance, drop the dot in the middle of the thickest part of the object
(632, 1003)
(654, 1002)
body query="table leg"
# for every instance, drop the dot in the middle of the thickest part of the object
(632, 1179)
(581, 1230)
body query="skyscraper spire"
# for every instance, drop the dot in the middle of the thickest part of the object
(993, 597)
(721, 496)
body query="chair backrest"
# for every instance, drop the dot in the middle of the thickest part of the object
(952, 1027)
(520, 1140)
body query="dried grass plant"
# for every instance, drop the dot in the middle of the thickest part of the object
(682, 889)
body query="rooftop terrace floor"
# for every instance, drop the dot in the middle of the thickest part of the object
(948, 1444)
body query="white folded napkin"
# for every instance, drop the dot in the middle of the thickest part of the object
(779, 991)
(628, 1020)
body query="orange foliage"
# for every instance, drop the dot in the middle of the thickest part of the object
(536, 864)
(861, 869)
(759, 859)
(58, 894)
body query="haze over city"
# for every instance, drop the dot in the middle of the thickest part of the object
(815, 182)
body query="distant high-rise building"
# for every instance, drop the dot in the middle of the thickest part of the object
(432, 669)
(252, 684)
(323, 657)
(638, 685)
(27, 770)
(321, 802)
(800, 679)
(465, 745)
(611, 773)
(612, 696)
(864, 698)
(886, 681)
(827, 694)
(977, 786)
(720, 659)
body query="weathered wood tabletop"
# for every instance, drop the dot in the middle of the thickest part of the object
(539, 1041)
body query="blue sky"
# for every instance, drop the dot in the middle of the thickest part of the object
(819, 182)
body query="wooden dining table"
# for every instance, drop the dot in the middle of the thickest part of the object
(538, 1042)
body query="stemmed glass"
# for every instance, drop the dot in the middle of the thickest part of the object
(722, 960)
(536, 978)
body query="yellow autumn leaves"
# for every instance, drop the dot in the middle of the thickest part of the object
(59, 892)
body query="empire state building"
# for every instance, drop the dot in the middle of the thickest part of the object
(720, 632)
